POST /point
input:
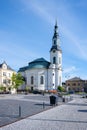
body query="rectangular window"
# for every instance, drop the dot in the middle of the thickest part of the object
(74, 84)
(4, 73)
(78, 84)
(4, 81)
(9, 81)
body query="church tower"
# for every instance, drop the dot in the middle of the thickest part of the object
(56, 61)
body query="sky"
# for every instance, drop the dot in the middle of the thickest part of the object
(27, 27)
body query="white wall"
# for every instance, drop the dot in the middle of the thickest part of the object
(36, 73)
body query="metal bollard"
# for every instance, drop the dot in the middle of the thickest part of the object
(19, 111)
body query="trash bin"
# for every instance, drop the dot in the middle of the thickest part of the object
(63, 99)
(53, 100)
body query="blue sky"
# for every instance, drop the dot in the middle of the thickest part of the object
(27, 27)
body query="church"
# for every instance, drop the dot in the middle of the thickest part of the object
(41, 74)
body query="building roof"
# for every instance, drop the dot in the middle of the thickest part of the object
(22, 69)
(74, 79)
(36, 64)
(8, 67)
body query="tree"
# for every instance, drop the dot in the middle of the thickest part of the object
(61, 89)
(1, 88)
(17, 80)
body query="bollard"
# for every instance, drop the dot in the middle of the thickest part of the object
(19, 111)
(63, 99)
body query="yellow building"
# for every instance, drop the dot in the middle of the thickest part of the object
(5, 75)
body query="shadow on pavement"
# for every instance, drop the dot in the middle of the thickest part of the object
(77, 104)
(54, 120)
(82, 110)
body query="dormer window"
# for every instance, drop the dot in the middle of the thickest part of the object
(4, 66)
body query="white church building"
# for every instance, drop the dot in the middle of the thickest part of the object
(41, 74)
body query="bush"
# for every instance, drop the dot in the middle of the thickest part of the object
(61, 89)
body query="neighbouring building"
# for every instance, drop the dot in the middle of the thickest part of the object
(41, 74)
(85, 86)
(76, 84)
(5, 75)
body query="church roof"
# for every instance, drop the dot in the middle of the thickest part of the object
(39, 63)
(22, 69)
(36, 64)
(56, 48)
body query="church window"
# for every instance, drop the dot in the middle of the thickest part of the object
(54, 60)
(41, 80)
(32, 80)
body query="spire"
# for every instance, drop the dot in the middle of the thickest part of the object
(56, 35)
(55, 39)
(56, 27)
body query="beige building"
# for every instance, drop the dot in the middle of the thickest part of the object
(5, 75)
(76, 84)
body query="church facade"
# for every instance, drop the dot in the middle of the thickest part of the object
(41, 74)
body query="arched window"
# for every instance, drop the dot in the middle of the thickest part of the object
(41, 80)
(32, 80)
(54, 60)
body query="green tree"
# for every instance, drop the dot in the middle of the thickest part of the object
(1, 88)
(17, 80)
(61, 89)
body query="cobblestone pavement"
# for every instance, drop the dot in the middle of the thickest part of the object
(31, 104)
(70, 116)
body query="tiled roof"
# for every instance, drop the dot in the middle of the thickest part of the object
(8, 67)
(74, 79)
(22, 69)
